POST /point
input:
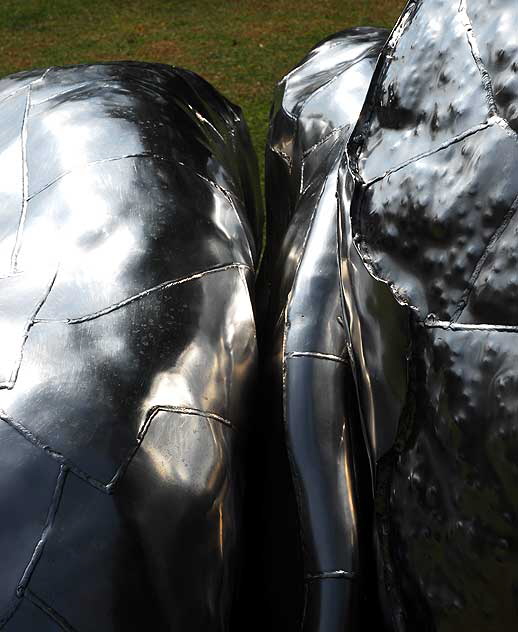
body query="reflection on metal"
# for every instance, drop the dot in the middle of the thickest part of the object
(427, 207)
(130, 223)
(427, 193)
(316, 108)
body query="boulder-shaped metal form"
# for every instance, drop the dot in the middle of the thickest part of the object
(316, 108)
(429, 250)
(130, 225)
(427, 191)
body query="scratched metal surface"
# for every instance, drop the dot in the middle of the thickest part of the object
(427, 195)
(130, 225)
(316, 107)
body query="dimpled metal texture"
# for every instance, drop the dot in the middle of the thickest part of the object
(130, 225)
(316, 106)
(428, 192)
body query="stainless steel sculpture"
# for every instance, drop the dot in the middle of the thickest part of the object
(428, 259)
(316, 108)
(427, 192)
(130, 227)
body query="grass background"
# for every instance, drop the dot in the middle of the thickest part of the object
(243, 47)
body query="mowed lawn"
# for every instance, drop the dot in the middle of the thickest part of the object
(243, 47)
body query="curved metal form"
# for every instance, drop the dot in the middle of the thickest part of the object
(130, 226)
(427, 196)
(316, 107)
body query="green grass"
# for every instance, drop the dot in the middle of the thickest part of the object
(242, 47)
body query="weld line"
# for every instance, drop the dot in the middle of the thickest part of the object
(317, 355)
(162, 286)
(157, 157)
(285, 314)
(484, 73)
(331, 575)
(482, 260)
(10, 611)
(38, 550)
(304, 189)
(32, 319)
(448, 325)
(475, 53)
(283, 155)
(152, 413)
(451, 141)
(53, 454)
(323, 140)
(230, 200)
(77, 88)
(49, 611)
(86, 165)
(108, 488)
(373, 94)
(25, 86)
(342, 68)
(25, 183)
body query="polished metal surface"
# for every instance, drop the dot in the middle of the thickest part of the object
(130, 223)
(316, 107)
(427, 190)
(427, 193)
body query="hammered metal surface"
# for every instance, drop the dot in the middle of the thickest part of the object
(428, 194)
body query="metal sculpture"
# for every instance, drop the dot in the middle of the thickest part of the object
(427, 192)
(130, 229)
(428, 243)
(316, 108)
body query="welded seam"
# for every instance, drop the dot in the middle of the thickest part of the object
(86, 165)
(316, 354)
(337, 73)
(152, 413)
(108, 488)
(49, 611)
(314, 52)
(431, 323)
(31, 321)
(26, 86)
(183, 75)
(338, 574)
(296, 482)
(40, 545)
(136, 297)
(335, 130)
(389, 584)
(484, 73)
(25, 183)
(77, 88)
(461, 306)
(304, 189)
(15, 92)
(227, 195)
(373, 94)
(144, 154)
(10, 611)
(49, 451)
(451, 141)
(475, 52)
(288, 159)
